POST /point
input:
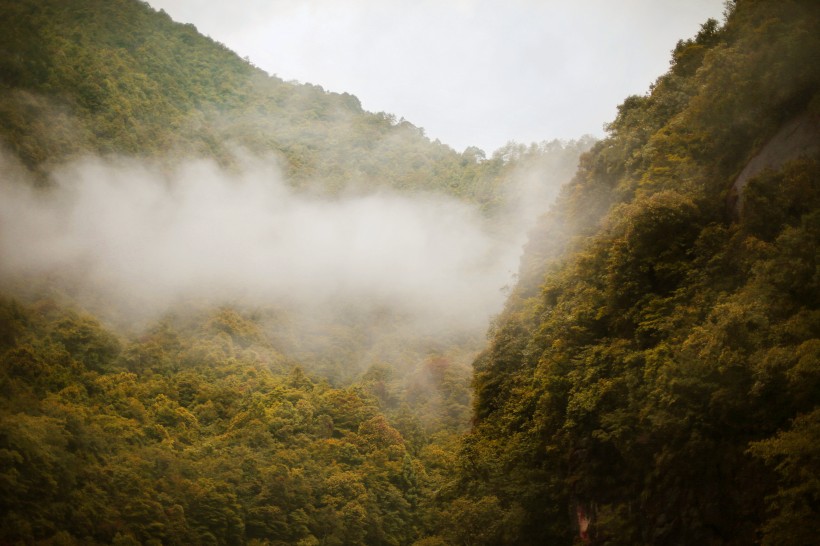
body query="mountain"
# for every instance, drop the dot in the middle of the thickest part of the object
(197, 343)
(655, 376)
(105, 77)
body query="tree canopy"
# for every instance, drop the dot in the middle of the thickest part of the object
(653, 379)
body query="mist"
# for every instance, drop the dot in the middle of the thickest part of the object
(138, 238)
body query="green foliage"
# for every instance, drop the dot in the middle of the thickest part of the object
(796, 457)
(197, 432)
(653, 379)
(100, 76)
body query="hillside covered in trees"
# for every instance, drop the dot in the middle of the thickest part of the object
(653, 378)
(116, 76)
(230, 417)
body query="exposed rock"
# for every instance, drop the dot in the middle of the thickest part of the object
(798, 138)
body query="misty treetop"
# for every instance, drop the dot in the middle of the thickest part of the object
(103, 77)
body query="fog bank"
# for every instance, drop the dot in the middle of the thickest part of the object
(142, 238)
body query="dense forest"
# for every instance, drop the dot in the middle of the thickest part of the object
(117, 77)
(212, 422)
(653, 377)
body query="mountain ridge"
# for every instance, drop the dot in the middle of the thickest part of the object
(642, 380)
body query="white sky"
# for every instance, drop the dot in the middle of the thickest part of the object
(470, 72)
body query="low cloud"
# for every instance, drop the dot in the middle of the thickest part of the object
(140, 237)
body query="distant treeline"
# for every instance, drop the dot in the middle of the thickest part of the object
(115, 76)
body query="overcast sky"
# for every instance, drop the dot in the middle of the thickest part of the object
(470, 72)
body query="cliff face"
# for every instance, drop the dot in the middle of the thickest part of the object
(798, 138)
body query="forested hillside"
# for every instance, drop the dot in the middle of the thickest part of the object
(115, 76)
(232, 417)
(201, 432)
(655, 377)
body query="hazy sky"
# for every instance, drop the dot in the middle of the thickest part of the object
(470, 72)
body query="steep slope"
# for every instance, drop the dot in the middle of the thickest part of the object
(100, 76)
(116, 85)
(655, 377)
(201, 432)
(798, 138)
(219, 424)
